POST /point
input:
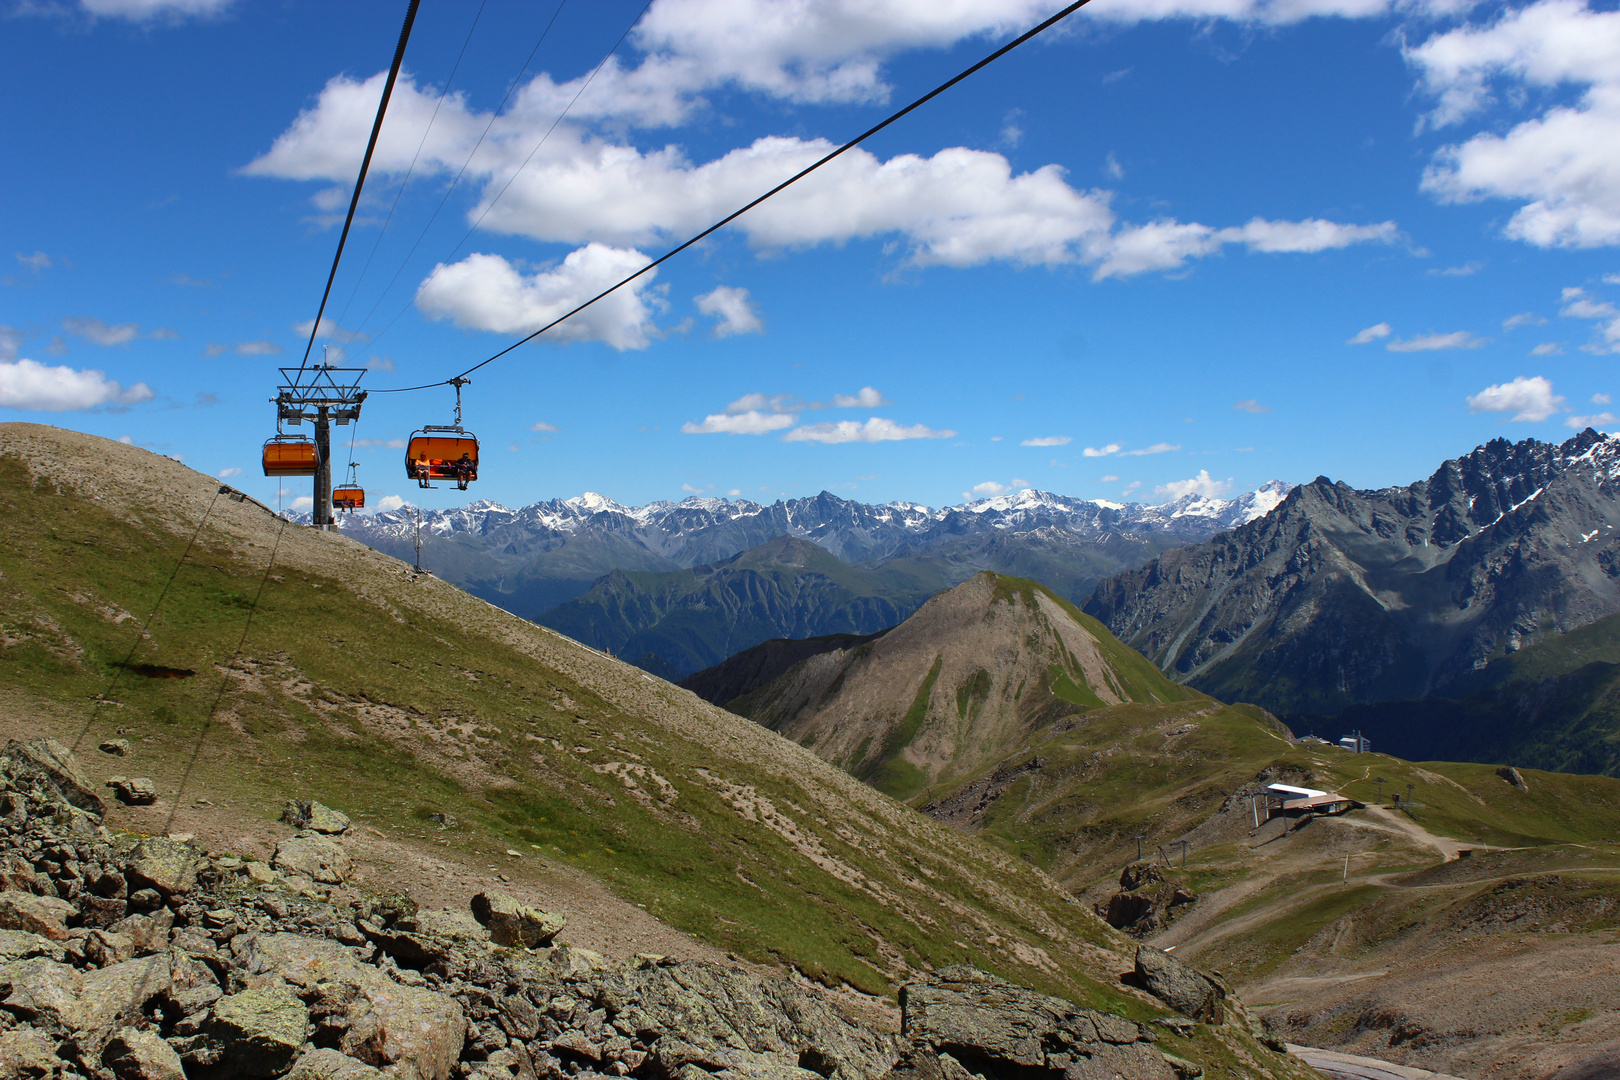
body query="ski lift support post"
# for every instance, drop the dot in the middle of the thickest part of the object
(324, 396)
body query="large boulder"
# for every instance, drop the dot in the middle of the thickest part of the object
(50, 765)
(258, 1032)
(431, 935)
(168, 866)
(514, 924)
(134, 791)
(135, 1054)
(43, 915)
(1182, 987)
(962, 1018)
(21, 945)
(28, 1052)
(327, 1064)
(315, 857)
(308, 814)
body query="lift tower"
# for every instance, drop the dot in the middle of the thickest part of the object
(324, 396)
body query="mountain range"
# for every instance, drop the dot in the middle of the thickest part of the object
(1342, 597)
(532, 559)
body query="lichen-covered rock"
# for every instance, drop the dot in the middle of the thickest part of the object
(52, 765)
(515, 924)
(46, 916)
(133, 791)
(21, 945)
(134, 1054)
(162, 864)
(315, 857)
(308, 814)
(1178, 985)
(27, 1053)
(43, 992)
(961, 1021)
(259, 1032)
(326, 1064)
(115, 747)
(432, 935)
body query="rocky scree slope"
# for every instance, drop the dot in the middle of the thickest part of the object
(125, 958)
(675, 623)
(1342, 596)
(531, 559)
(961, 683)
(400, 697)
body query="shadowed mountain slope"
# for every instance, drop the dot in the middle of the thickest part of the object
(963, 681)
(1341, 597)
(752, 668)
(675, 623)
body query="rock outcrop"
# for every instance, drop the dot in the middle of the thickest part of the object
(1146, 903)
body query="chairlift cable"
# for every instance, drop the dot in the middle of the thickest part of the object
(510, 90)
(795, 178)
(560, 117)
(400, 194)
(360, 181)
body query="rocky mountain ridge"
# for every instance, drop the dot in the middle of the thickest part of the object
(528, 560)
(1342, 596)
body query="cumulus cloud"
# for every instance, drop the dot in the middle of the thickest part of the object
(485, 292)
(27, 384)
(1578, 304)
(148, 10)
(735, 312)
(1597, 420)
(1109, 479)
(1458, 339)
(36, 262)
(330, 330)
(1562, 166)
(388, 503)
(865, 398)
(1202, 485)
(1523, 318)
(226, 474)
(1156, 448)
(11, 341)
(960, 207)
(1601, 399)
(1371, 334)
(98, 332)
(1052, 440)
(1529, 399)
(1251, 405)
(989, 489)
(541, 425)
(247, 348)
(875, 429)
(1102, 451)
(1547, 348)
(748, 422)
(380, 444)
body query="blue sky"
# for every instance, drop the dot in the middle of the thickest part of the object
(1181, 245)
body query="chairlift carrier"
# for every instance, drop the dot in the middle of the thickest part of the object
(443, 452)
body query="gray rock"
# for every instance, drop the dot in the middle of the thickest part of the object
(21, 945)
(134, 1054)
(432, 935)
(43, 992)
(46, 916)
(136, 791)
(54, 766)
(514, 924)
(259, 1032)
(28, 1053)
(315, 857)
(331, 1065)
(107, 947)
(115, 747)
(1178, 985)
(162, 864)
(308, 814)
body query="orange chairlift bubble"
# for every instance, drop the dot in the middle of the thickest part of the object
(349, 496)
(290, 455)
(443, 452)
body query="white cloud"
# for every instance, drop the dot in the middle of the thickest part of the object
(1251, 405)
(875, 429)
(990, 489)
(485, 292)
(258, 348)
(751, 422)
(1372, 333)
(1052, 440)
(541, 425)
(1465, 270)
(11, 340)
(1563, 166)
(1109, 479)
(226, 474)
(100, 333)
(1156, 448)
(36, 262)
(1598, 420)
(865, 398)
(388, 503)
(301, 504)
(1529, 399)
(147, 10)
(1547, 348)
(1112, 168)
(380, 363)
(1458, 339)
(330, 330)
(27, 384)
(735, 311)
(380, 444)
(1579, 305)
(1601, 399)
(1202, 484)
(1130, 487)
(1102, 451)
(1523, 318)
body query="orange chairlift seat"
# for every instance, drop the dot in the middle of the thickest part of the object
(349, 496)
(443, 452)
(290, 455)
